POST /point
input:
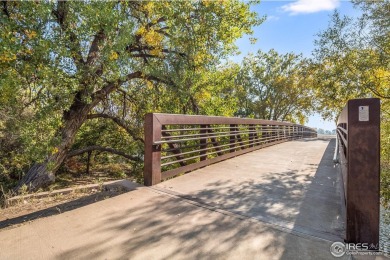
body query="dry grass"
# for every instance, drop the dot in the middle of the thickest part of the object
(28, 208)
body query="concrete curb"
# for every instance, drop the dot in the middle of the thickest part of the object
(126, 184)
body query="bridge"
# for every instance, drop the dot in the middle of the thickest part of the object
(244, 188)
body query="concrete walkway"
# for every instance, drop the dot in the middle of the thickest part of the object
(281, 202)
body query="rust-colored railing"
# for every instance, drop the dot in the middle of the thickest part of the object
(176, 144)
(359, 143)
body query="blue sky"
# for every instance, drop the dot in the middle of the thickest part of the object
(291, 26)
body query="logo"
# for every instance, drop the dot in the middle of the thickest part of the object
(337, 249)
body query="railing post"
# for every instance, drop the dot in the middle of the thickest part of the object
(255, 134)
(293, 133)
(203, 142)
(232, 139)
(363, 159)
(266, 133)
(296, 133)
(251, 135)
(152, 157)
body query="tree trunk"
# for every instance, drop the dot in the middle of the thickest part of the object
(43, 174)
(37, 176)
(88, 161)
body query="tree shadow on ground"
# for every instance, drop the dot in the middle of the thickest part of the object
(226, 219)
(61, 208)
(321, 208)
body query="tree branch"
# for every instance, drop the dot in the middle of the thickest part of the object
(161, 80)
(5, 8)
(61, 15)
(111, 86)
(119, 122)
(159, 20)
(95, 46)
(38, 95)
(102, 149)
(100, 94)
(143, 55)
(376, 92)
(148, 48)
(368, 84)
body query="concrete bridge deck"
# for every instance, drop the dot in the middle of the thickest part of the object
(280, 202)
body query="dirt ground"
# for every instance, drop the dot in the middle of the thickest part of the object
(29, 209)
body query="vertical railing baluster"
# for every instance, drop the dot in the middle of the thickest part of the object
(203, 142)
(255, 135)
(187, 148)
(251, 135)
(232, 139)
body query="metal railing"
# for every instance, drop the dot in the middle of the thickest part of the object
(358, 154)
(176, 144)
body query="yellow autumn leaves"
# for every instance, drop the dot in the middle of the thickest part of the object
(54, 150)
(114, 55)
(151, 38)
(148, 35)
(5, 57)
(30, 34)
(15, 38)
(209, 2)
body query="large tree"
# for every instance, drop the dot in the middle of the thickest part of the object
(273, 86)
(65, 60)
(352, 57)
(352, 60)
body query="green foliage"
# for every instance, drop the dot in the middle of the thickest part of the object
(274, 86)
(385, 153)
(63, 61)
(352, 61)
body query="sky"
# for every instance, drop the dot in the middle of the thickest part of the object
(292, 26)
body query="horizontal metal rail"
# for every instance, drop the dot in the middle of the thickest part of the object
(197, 145)
(209, 148)
(212, 128)
(341, 136)
(217, 134)
(200, 138)
(230, 132)
(223, 150)
(176, 144)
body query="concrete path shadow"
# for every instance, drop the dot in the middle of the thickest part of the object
(246, 211)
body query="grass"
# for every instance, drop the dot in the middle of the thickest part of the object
(385, 184)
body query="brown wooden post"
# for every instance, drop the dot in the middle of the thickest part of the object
(152, 157)
(203, 142)
(232, 141)
(363, 171)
